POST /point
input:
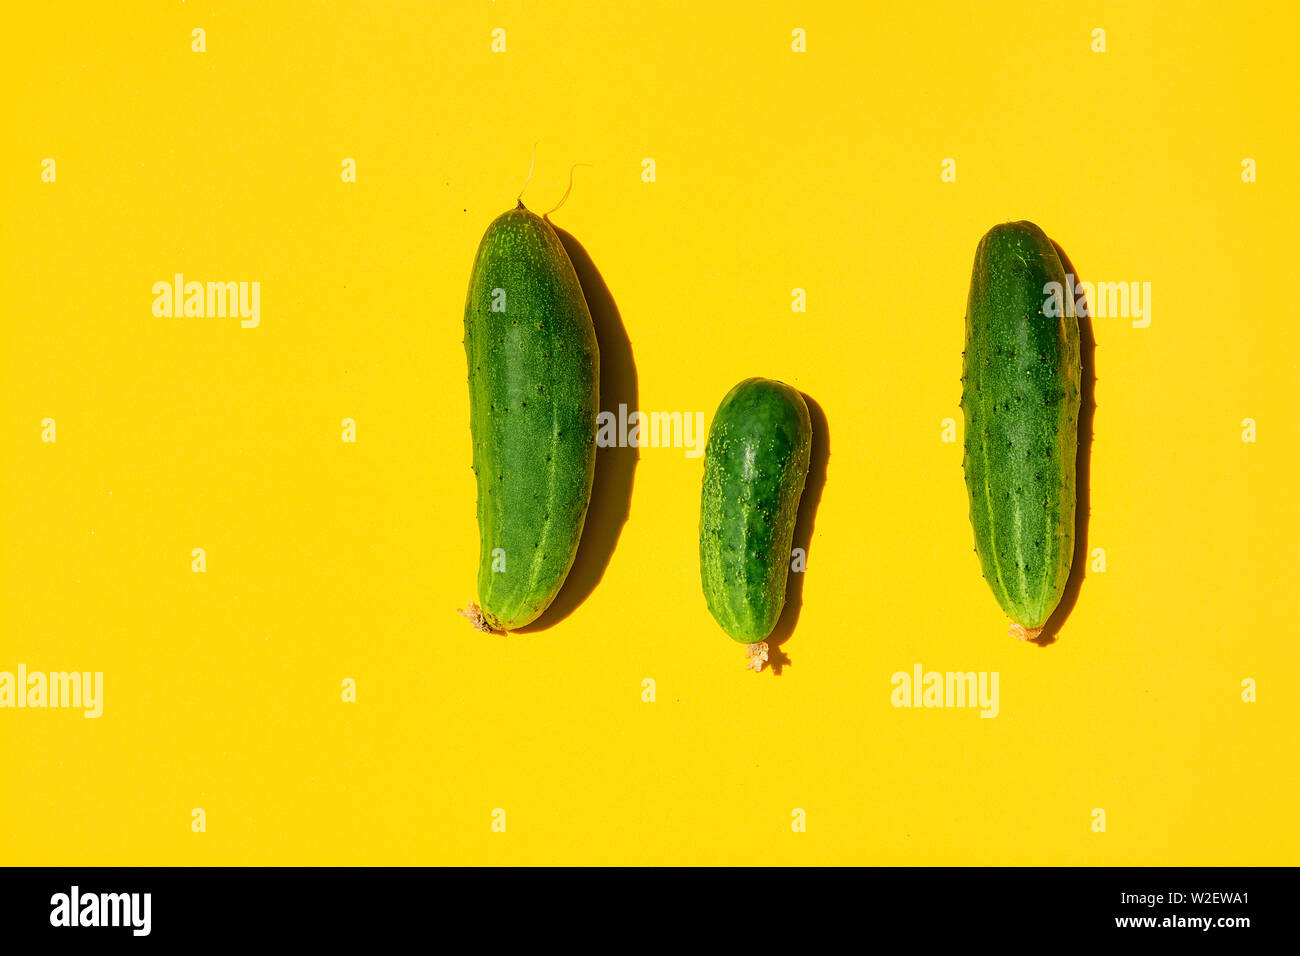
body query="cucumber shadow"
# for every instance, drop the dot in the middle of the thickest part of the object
(611, 487)
(803, 532)
(1082, 469)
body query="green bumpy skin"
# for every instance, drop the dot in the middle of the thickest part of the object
(534, 372)
(755, 465)
(1020, 394)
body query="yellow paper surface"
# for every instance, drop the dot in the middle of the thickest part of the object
(329, 561)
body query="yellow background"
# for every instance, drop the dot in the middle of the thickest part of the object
(775, 170)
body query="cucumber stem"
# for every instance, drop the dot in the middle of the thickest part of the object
(756, 656)
(476, 618)
(527, 179)
(1022, 633)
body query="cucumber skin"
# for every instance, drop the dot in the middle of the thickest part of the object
(1020, 395)
(534, 373)
(755, 465)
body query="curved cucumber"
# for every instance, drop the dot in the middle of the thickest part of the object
(1020, 394)
(755, 464)
(534, 370)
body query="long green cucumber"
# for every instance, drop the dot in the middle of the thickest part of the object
(755, 464)
(1020, 394)
(534, 371)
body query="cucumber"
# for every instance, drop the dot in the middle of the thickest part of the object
(1020, 395)
(755, 464)
(534, 372)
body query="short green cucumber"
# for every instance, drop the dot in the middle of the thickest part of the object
(1020, 395)
(755, 464)
(534, 372)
